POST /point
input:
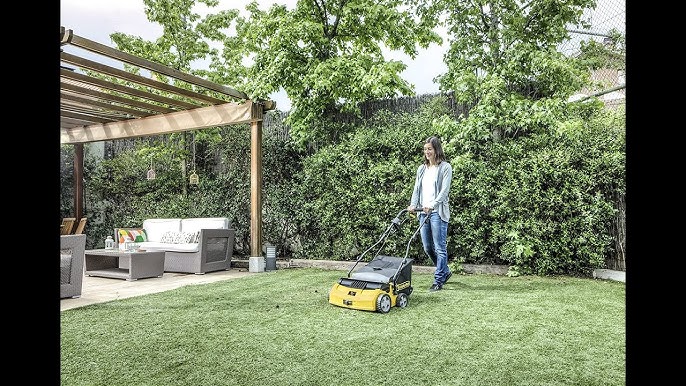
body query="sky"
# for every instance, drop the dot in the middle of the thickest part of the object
(97, 19)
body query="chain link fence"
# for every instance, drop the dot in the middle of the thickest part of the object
(607, 27)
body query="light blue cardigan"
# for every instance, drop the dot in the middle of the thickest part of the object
(440, 204)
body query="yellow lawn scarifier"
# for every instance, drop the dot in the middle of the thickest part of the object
(385, 282)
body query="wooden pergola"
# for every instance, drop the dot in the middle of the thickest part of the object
(99, 102)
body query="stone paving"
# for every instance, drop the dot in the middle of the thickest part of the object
(101, 289)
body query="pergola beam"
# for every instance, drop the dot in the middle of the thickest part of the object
(123, 75)
(69, 38)
(202, 117)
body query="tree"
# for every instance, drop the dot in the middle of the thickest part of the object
(185, 39)
(327, 55)
(502, 59)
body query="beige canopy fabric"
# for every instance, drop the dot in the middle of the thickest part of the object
(100, 102)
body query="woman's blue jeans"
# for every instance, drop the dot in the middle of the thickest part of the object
(435, 241)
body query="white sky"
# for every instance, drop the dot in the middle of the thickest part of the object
(97, 19)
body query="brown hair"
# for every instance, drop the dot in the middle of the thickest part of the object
(438, 149)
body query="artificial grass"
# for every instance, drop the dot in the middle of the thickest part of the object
(278, 328)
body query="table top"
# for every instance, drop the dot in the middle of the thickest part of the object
(117, 252)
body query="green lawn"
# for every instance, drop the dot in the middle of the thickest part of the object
(278, 328)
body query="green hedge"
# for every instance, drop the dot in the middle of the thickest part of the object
(542, 204)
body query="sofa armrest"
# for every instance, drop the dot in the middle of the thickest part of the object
(216, 233)
(216, 244)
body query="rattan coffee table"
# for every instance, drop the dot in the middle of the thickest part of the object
(117, 264)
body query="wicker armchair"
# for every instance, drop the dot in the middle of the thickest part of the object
(72, 253)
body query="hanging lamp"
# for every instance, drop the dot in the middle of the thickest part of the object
(193, 179)
(151, 172)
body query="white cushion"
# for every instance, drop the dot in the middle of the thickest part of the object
(157, 246)
(156, 227)
(195, 224)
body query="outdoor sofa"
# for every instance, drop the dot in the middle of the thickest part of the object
(72, 253)
(190, 245)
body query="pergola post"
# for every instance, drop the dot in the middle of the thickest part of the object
(256, 262)
(78, 181)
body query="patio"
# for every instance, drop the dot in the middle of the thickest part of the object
(100, 289)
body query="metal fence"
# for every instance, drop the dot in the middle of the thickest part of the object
(607, 17)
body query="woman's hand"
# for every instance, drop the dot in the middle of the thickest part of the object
(425, 209)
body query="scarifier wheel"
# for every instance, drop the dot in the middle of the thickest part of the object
(402, 300)
(383, 303)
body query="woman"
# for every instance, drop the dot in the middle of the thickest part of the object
(430, 198)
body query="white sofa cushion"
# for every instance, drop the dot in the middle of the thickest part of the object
(156, 227)
(157, 246)
(195, 224)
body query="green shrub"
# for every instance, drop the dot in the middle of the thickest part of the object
(542, 203)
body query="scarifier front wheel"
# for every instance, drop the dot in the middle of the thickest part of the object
(383, 303)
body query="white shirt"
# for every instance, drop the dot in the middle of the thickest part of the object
(429, 186)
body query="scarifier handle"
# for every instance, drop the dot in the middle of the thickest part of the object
(415, 211)
(407, 249)
(397, 221)
(393, 226)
